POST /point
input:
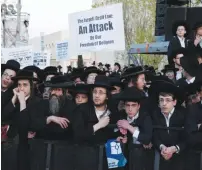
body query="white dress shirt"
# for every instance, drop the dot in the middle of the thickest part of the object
(137, 131)
(167, 118)
(191, 80)
(182, 41)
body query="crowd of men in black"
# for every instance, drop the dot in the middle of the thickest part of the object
(148, 113)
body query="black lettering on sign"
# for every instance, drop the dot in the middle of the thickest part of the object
(83, 30)
(98, 37)
(108, 16)
(100, 27)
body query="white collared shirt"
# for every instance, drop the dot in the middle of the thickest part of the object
(167, 118)
(182, 41)
(178, 75)
(137, 131)
(191, 80)
(100, 113)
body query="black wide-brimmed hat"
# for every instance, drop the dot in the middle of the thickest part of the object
(116, 81)
(77, 73)
(169, 68)
(81, 89)
(12, 65)
(24, 75)
(179, 51)
(35, 69)
(50, 70)
(158, 87)
(197, 25)
(190, 65)
(59, 82)
(133, 71)
(131, 94)
(180, 23)
(193, 88)
(102, 81)
(100, 64)
(89, 70)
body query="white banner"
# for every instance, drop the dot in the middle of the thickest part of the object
(41, 60)
(97, 29)
(62, 51)
(23, 55)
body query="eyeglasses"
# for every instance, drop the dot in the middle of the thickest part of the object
(99, 92)
(165, 100)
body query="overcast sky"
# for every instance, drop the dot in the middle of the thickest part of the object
(51, 15)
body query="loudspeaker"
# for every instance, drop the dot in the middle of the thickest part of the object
(161, 8)
(191, 15)
(173, 15)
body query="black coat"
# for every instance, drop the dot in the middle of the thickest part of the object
(170, 137)
(19, 125)
(195, 118)
(144, 123)
(6, 98)
(161, 135)
(51, 131)
(85, 118)
(174, 45)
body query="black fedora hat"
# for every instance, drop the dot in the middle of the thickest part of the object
(133, 71)
(180, 23)
(11, 64)
(167, 87)
(197, 25)
(100, 64)
(50, 70)
(35, 69)
(131, 94)
(116, 81)
(24, 75)
(169, 68)
(89, 70)
(102, 81)
(179, 51)
(80, 89)
(59, 82)
(77, 73)
(190, 65)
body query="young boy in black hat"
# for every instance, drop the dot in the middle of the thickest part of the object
(169, 136)
(170, 72)
(17, 112)
(180, 32)
(81, 93)
(135, 126)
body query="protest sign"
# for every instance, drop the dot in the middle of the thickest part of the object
(41, 60)
(23, 55)
(62, 51)
(97, 29)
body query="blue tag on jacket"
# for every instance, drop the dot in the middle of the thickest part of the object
(115, 157)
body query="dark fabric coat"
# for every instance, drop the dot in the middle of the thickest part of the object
(174, 45)
(91, 151)
(18, 131)
(170, 137)
(195, 118)
(51, 131)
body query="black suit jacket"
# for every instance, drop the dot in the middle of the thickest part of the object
(174, 45)
(51, 131)
(195, 118)
(169, 137)
(144, 123)
(84, 120)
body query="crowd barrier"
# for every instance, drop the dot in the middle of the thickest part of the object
(57, 155)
